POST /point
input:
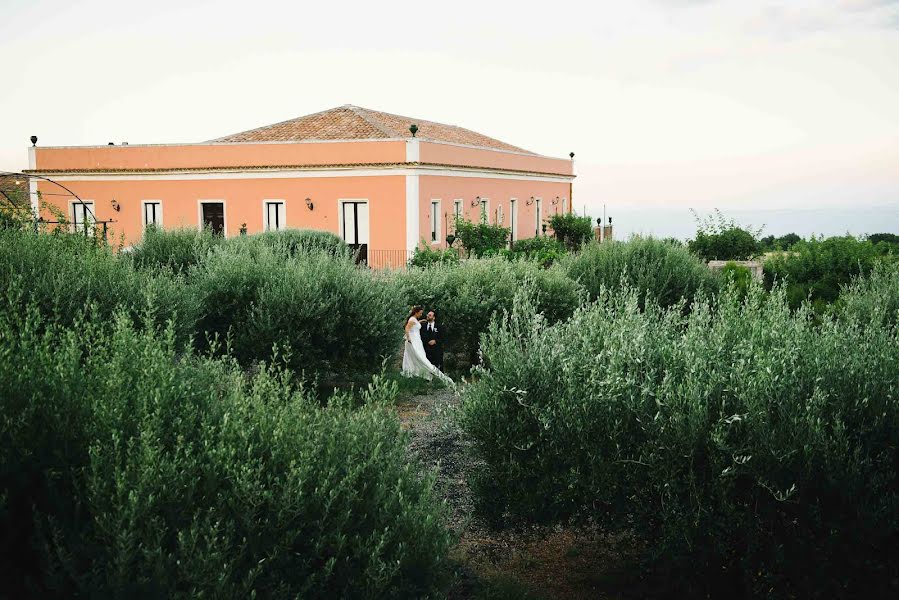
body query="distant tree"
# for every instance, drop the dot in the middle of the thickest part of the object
(785, 242)
(889, 238)
(719, 238)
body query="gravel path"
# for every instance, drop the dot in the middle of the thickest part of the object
(549, 562)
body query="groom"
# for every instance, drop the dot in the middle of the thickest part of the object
(432, 340)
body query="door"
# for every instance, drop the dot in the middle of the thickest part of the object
(354, 227)
(214, 216)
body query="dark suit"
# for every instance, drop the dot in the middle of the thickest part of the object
(435, 352)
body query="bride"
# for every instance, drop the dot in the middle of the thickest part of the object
(415, 361)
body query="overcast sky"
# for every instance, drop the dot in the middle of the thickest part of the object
(778, 113)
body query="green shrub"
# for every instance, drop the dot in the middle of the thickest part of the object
(542, 249)
(739, 276)
(659, 270)
(468, 297)
(129, 468)
(571, 230)
(300, 241)
(872, 300)
(333, 316)
(889, 238)
(68, 276)
(176, 249)
(756, 451)
(481, 239)
(719, 238)
(817, 268)
(425, 256)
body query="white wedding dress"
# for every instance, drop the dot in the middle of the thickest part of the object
(415, 361)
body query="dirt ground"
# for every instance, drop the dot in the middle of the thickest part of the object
(568, 563)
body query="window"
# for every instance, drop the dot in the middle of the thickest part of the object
(83, 217)
(538, 209)
(564, 206)
(499, 214)
(513, 218)
(212, 215)
(457, 210)
(152, 213)
(274, 217)
(435, 221)
(354, 222)
(485, 210)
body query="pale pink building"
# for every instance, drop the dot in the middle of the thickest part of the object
(353, 171)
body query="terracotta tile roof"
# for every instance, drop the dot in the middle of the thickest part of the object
(356, 123)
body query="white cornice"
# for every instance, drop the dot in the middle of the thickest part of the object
(298, 173)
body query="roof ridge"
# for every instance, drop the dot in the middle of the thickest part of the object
(424, 134)
(358, 111)
(293, 120)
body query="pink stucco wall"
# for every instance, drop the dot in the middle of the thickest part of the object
(244, 203)
(498, 192)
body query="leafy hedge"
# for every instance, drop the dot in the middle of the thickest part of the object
(816, 268)
(657, 269)
(428, 257)
(469, 296)
(175, 249)
(542, 249)
(130, 468)
(571, 230)
(68, 276)
(758, 451)
(327, 314)
(300, 241)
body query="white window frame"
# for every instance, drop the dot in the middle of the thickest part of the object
(564, 206)
(499, 214)
(224, 204)
(485, 210)
(143, 212)
(538, 215)
(92, 215)
(435, 220)
(282, 214)
(340, 211)
(458, 209)
(513, 217)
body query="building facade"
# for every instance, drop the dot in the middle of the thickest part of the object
(358, 173)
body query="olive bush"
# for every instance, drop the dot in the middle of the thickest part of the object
(665, 272)
(68, 275)
(325, 314)
(755, 447)
(176, 249)
(130, 467)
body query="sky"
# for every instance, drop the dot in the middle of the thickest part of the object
(779, 114)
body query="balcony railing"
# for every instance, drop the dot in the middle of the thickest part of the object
(384, 259)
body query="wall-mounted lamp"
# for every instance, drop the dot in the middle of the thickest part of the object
(309, 204)
(530, 201)
(115, 205)
(476, 201)
(555, 200)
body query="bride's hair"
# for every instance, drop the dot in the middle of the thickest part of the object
(415, 309)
